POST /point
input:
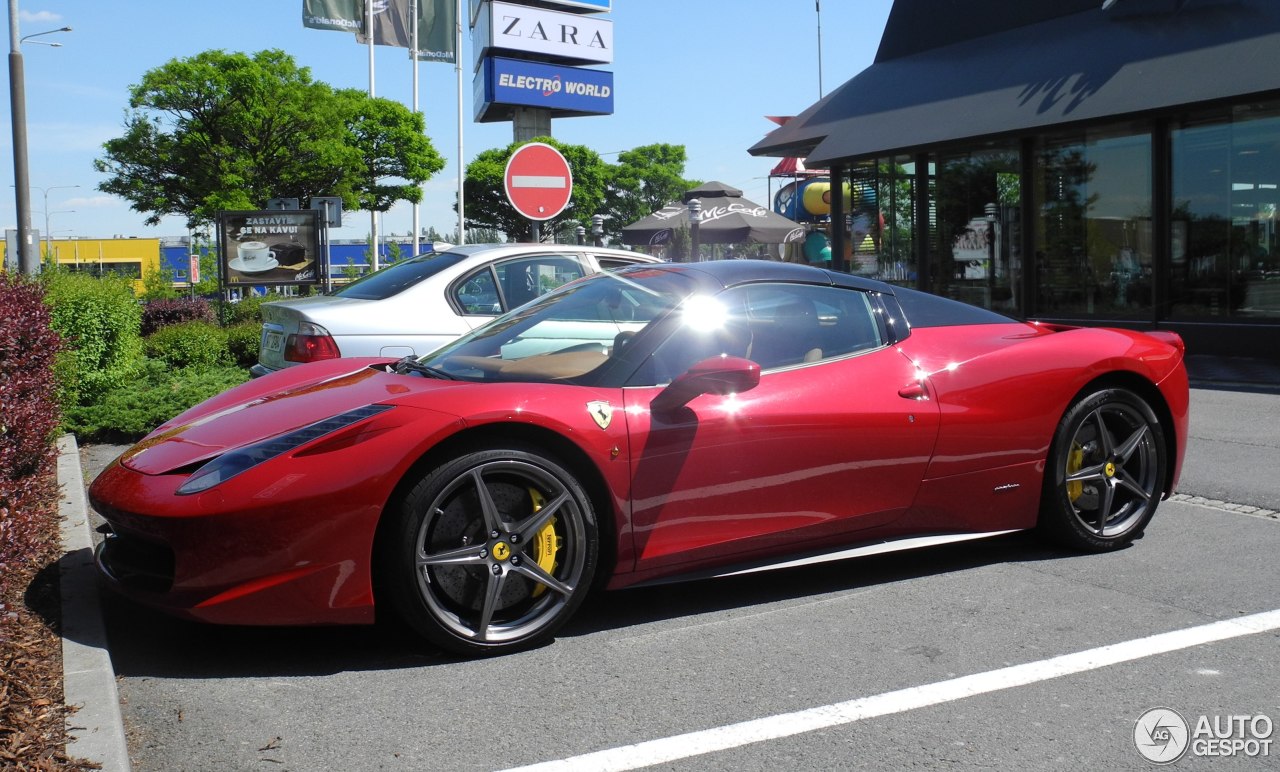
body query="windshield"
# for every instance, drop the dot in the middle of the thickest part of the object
(565, 334)
(398, 277)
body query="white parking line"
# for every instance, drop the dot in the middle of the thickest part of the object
(788, 724)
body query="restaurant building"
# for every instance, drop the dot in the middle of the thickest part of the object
(1084, 161)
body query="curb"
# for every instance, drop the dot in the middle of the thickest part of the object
(96, 730)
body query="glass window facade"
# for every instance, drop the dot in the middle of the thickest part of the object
(1168, 221)
(1225, 189)
(1093, 238)
(977, 201)
(882, 220)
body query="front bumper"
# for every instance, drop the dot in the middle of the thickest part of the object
(266, 560)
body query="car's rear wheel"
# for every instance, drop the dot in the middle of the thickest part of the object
(1106, 472)
(493, 551)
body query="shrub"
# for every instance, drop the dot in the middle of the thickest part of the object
(242, 343)
(98, 320)
(156, 394)
(189, 343)
(28, 414)
(162, 313)
(249, 309)
(158, 285)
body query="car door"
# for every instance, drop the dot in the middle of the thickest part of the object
(824, 446)
(504, 285)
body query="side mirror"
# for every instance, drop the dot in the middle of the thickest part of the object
(717, 375)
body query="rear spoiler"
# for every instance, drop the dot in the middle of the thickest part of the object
(1164, 336)
(1172, 338)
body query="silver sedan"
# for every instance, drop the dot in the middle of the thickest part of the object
(415, 306)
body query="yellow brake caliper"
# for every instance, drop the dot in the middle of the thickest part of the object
(1074, 462)
(546, 543)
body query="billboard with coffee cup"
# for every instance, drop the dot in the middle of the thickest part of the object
(269, 247)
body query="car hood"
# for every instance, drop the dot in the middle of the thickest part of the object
(268, 407)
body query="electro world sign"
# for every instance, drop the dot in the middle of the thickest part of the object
(566, 91)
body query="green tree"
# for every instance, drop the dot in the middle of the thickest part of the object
(486, 198)
(350, 271)
(643, 181)
(395, 155)
(394, 253)
(224, 131)
(483, 236)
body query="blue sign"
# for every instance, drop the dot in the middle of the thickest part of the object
(565, 91)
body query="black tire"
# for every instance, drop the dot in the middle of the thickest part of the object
(1105, 473)
(492, 551)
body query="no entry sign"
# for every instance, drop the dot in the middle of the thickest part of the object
(538, 181)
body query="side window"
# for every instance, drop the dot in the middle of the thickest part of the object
(526, 278)
(795, 324)
(705, 327)
(774, 325)
(478, 294)
(614, 263)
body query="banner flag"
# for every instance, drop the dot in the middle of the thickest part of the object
(344, 15)
(436, 23)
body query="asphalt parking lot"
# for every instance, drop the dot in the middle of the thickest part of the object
(998, 653)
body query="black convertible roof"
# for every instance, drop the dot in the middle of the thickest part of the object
(918, 309)
(727, 273)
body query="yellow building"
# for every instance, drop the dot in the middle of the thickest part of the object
(131, 257)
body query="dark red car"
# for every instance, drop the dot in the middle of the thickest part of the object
(662, 422)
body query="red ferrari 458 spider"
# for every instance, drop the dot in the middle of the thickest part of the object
(662, 422)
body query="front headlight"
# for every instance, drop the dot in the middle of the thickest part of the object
(233, 462)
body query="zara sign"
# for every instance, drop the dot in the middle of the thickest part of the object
(562, 37)
(576, 6)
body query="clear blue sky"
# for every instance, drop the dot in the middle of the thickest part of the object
(702, 73)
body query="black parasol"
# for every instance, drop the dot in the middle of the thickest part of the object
(726, 218)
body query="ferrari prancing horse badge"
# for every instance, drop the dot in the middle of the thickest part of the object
(601, 412)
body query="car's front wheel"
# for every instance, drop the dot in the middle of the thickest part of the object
(1106, 472)
(493, 551)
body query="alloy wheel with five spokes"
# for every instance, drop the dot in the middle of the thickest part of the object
(496, 548)
(1106, 472)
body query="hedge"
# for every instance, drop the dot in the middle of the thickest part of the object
(162, 313)
(28, 414)
(189, 344)
(157, 393)
(99, 320)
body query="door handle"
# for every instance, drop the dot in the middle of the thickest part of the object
(914, 390)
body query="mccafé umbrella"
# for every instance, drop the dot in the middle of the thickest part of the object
(726, 218)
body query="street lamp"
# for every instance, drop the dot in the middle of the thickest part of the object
(582, 235)
(27, 262)
(26, 38)
(695, 217)
(597, 229)
(48, 234)
(44, 192)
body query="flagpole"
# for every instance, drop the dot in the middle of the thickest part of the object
(373, 214)
(457, 61)
(413, 57)
(817, 7)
